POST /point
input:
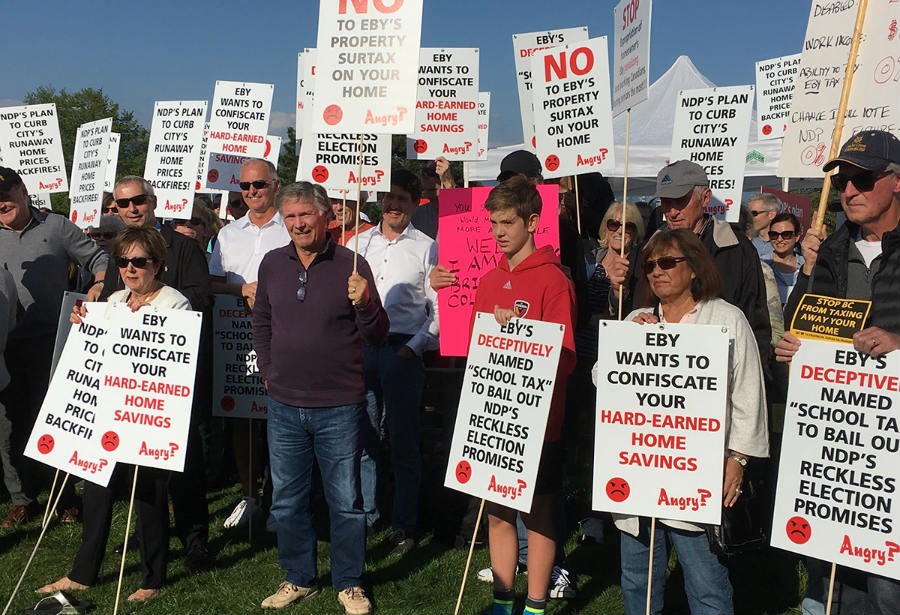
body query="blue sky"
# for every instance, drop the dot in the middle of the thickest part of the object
(138, 52)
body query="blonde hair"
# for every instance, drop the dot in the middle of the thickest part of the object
(632, 214)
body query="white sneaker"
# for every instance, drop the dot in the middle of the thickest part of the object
(561, 586)
(242, 513)
(486, 575)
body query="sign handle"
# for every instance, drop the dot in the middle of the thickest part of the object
(462, 586)
(343, 219)
(831, 580)
(251, 482)
(47, 509)
(624, 202)
(44, 525)
(650, 570)
(842, 109)
(358, 203)
(577, 203)
(125, 544)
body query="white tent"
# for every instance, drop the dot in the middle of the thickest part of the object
(651, 138)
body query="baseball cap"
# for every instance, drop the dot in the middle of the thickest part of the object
(872, 150)
(9, 179)
(520, 162)
(675, 180)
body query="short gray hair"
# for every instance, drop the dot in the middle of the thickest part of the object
(306, 192)
(770, 201)
(135, 179)
(271, 167)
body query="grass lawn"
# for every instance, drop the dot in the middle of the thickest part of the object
(426, 580)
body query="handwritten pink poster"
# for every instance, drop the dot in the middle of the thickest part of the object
(467, 248)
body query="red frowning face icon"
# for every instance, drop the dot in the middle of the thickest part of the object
(552, 162)
(463, 471)
(320, 173)
(798, 530)
(45, 444)
(332, 114)
(227, 403)
(110, 441)
(420, 146)
(618, 489)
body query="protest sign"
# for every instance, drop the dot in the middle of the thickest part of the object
(829, 318)
(367, 81)
(204, 159)
(631, 54)
(30, 144)
(503, 409)
(89, 172)
(712, 128)
(446, 106)
(173, 155)
(484, 124)
(112, 161)
(873, 102)
(149, 363)
(41, 200)
(238, 390)
(332, 160)
(467, 248)
(838, 474)
(67, 433)
(306, 83)
(659, 443)
(572, 118)
(69, 301)
(526, 45)
(774, 90)
(797, 204)
(239, 119)
(223, 171)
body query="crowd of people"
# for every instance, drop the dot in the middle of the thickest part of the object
(345, 327)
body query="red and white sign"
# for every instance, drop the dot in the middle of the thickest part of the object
(30, 144)
(572, 117)
(367, 80)
(837, 480)
(774, 90)
(239, 119)
(659, 443)
(332, 160)
(89, 172)
(223, 171)
(446, 106)
(306, 83)
(631, 54)
(503, 409)
(238, 390)
(484, 123)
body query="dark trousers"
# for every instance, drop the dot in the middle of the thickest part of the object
(188, 490)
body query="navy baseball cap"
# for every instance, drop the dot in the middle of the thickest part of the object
(872, 150)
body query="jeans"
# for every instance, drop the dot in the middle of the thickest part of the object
(706, 581)
(331, 437)
(394, 395)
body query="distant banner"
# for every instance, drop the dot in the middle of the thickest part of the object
(30, 144)
(774, 91)
(89, 172)
(239, 119)
(173, 155)
(238, 390)
(631, 54)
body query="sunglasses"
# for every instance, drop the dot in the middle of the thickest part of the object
(138, 199)
(259, 184)
(192, 221)
(759, 212)
(783, 235)
(613, 225)
(664, 262)
(138, 261)
(864, 181)
(105, 235)
(301, 292)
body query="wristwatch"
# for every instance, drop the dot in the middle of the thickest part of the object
(740, 460)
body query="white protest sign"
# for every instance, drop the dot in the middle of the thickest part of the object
(503, 409)
(70, 300)
(447, 106)
(40, 200)
(526, 45)
(367, 81)
(89, 172)
(68, 433)
(223, 171)
(306, 83)
(332, 160)
(238, 390)
(112, 161)
(173, 155)
(484, 124)
(774, 90)
(150, 359)
(837, 480)
(30, 142)
(712, 128)
(239, 119)
(204, 158)
(873, 103)
(659, 440)
(572, 117)
(631, 54)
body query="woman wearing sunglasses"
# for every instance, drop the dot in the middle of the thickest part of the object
(685, 282)
(140, 256)
(786, 261)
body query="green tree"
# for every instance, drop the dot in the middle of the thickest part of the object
(288, 158)
(87, 105)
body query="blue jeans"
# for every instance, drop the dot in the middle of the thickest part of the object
(331, 437)
(706, 581)
(394, 394)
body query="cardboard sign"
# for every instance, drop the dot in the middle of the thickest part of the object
(30, 144)
(41, 199)
(572, 117)
(112, 161)
(367, 81)
(223, 171)
(659, 444)
(631, 54)
(176, 136)
(89, 172)
(837, 480)
(238, 390)
(332, 160)
(446, 106)
(503, 409)
(873, 103)
(149, 363)
(484, 124)
(829, 318)
(774, 91)
(239, 119)
(712, 128)
(68, 433)
(467, 248)
(525, 46)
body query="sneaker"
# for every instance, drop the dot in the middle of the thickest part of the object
(561, 586)
(402, 542)
(486, 575)
(242, 513)
(355, 601)
(197, 558)
(288, 593)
